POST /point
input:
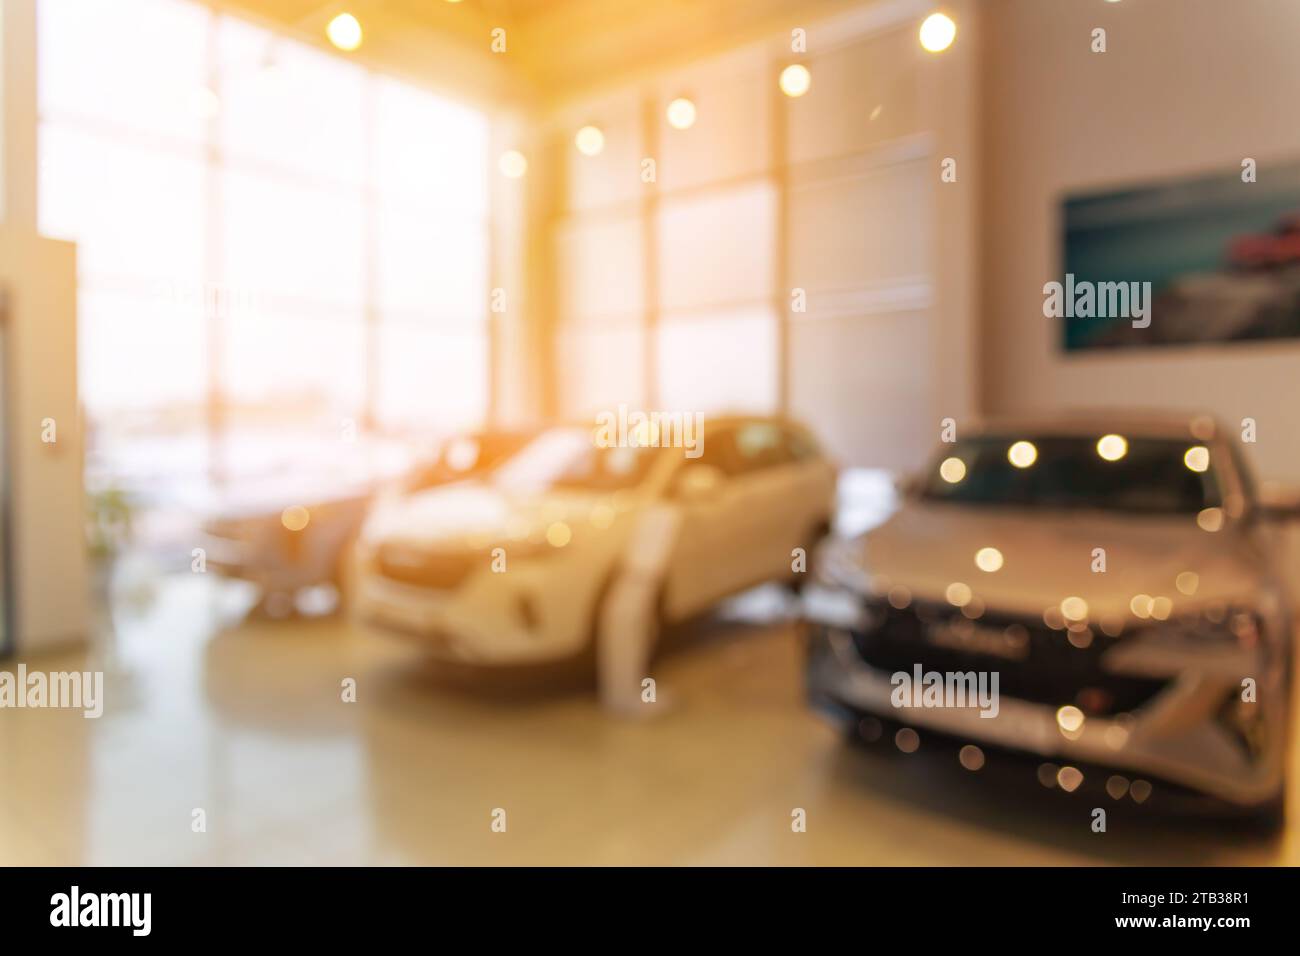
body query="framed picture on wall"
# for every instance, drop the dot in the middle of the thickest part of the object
(1210, 259)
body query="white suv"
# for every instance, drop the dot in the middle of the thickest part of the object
(513, 568)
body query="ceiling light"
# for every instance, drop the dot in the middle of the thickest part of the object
(344, 31)
(937, 32)
(1022, 454)
(590, 140)
(795, 80)
(681, 113)
(1112, 447)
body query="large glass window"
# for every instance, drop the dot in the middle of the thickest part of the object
(666, 283)
(275, 244)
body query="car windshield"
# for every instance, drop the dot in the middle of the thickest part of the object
(568, 458)
(1099, 472)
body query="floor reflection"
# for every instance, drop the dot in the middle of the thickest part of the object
(244, 718)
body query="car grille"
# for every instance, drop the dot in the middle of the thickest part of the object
(424, 569)
(1039, 665)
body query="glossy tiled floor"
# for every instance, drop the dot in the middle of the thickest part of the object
(244, 719)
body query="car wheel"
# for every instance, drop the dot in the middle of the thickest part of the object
(1270, 817)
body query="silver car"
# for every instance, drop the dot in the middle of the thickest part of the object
(1104, 595)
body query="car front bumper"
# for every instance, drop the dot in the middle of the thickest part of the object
(1175, 738)
(464, 624)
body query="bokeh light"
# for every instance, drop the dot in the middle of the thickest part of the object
(1112, 447)
(1210, 519)
(1197, 458)
(937, 32)
(1022, 454)
(1069, 718)
(1141, 605)
(295, 517)
(795, 80)
(345, 32)
(589, 140)
(681, 113)
(1074, 609)
(513, 164)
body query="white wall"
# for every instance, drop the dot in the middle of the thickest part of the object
(885, 250)
(1185, 87)
(39, 279)
(680, 293)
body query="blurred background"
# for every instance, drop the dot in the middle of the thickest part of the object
(263, 261)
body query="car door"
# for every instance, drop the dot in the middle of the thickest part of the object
(773, 502)
(708, 561)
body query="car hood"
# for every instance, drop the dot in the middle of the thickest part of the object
(472, 514)
(1048, 556)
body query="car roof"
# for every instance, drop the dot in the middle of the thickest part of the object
(1093, 422)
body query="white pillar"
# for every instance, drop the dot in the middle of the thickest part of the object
(41, 414)
(44, 451)
(18, 114)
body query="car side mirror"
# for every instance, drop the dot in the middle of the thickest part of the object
(698, 483)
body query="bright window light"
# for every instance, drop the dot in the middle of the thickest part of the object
(340, 274)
